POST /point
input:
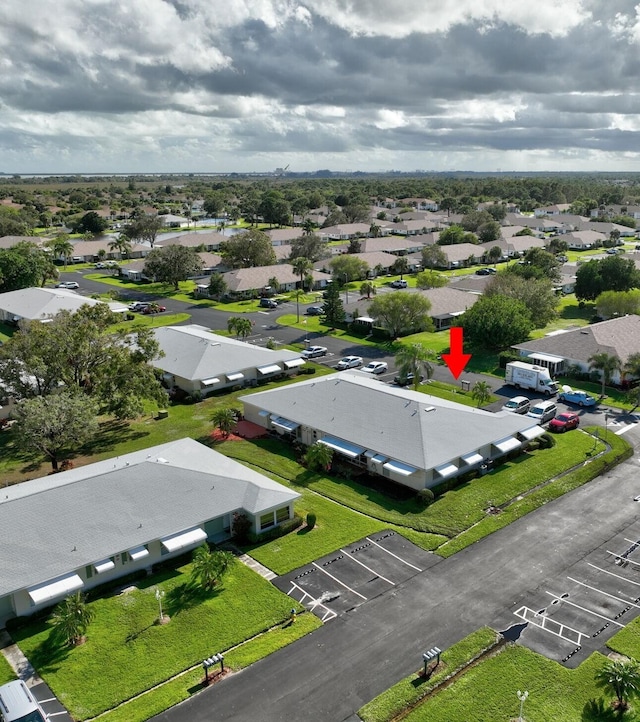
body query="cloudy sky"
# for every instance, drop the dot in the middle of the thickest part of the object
(251, 85)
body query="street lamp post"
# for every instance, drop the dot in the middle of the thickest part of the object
(159, 595)
(346, 289)
(522, 696)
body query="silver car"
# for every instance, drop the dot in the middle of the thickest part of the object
(349, 362)
(17, 704)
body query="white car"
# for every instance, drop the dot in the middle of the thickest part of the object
(349, 362)
(376, 367)
(68, 284)
(314, 352)
(517, 405)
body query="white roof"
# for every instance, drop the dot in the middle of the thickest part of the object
(38, 304)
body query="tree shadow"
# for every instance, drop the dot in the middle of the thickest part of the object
(51, 652)
(186, 596)
(598, 710)
(111, 434)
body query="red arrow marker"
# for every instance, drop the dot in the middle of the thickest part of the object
(456, 360)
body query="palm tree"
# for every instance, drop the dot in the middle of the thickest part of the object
(481, 393)
(241, 326)
(122, 245)
(319, 456)
(61, 247)
(607, 364)
(71, 618)
(622, 677)
(301, 267)
(374, 230)
(209, 567)
(414, 359)
(308, 227)
(367, 288)
(401, 266)
(632, 368)
(224, 419)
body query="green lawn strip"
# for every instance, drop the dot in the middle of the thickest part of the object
(127, 653)
(487, 691)
(452, 393)
(6, 331)
(411, 689)
(186, 685)
(153, 320)
(627, 640)
(563, 484)
(6, 672)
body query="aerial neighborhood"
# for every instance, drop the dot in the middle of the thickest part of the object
(242, 417)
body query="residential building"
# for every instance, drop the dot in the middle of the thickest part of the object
(42, 304)
(447, 304)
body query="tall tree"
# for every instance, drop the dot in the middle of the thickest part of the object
(481, 393)
(309, 246)
(496, 322)
(92, 223)
(217, 285)
(622, 677)
(401, 266)
(401, 313)
(319, 456)
(121, 245)
(71, 618)
(609, 274)
(55, 425)
(61, 247)
(415, 359)
(332, 309)
(433, 257)
(349, 268)
(607, 365)
(22, 266)
(248, 249)
(172, 264)
(430, 279)
(240, 326)
(537, 294)
(367, 289)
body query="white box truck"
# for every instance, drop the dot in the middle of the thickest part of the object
(527, 376)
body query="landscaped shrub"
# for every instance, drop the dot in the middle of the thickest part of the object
(277, 531)
(426, 496)
(546, 441)
(241, 527)
(311, 520)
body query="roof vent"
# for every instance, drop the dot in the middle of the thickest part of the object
(429, 408)
(162, 460)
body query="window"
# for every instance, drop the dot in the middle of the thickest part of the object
(88, 572)
(282, 514)
(124, 557)
(266, 520)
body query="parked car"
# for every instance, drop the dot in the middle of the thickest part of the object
(564, 422)
(100, 264)
(349, 362)
(485, 271)
(376, 367)
(17, 704)
(562, 258)
(399, 284)
(314, 352)
(612, 251)
(268, 303)
(574, 396)
(315, 311)
(138, 305)
(406, 380)
(68, 284)
(517, 405)
(153, 308)
(543, 412)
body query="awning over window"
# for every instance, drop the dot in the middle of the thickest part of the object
(446, 470)
(210, 382)
(473, 458)
(399, 468)
(183, 539)
(55, 588)
(264, 412)
(138, 553)
(342, 447)
(106, 565)
(235, 377)
(545, 358)
(285, 424)
(375, 456)
(532, 433)
(271, 369)
(291, 364)
(507, 444)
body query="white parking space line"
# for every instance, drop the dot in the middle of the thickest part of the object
(335, 579)
(395, 556)
(583, 609)
(357, 561)
(626, 428)
(606, 594)
(620, 558)
(531, 616)
(328, 614)
(613, 574)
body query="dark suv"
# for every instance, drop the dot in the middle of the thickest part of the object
(268, 303)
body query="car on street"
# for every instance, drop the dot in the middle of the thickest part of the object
(315, 311)
(399, 284)
(314, 352)
(349, 362)
(376, 367)
(564, 422)
(268, 303)
(612, 251)
(138, 305)
(68, 284)
(485, 271)
(574, 396)
(153, 308)
(406, 380)
(517, 405)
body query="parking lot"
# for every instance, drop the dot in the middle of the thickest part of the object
(354, 574)
(573, 615)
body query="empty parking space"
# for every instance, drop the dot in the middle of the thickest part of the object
(571, 616)
(354, 574)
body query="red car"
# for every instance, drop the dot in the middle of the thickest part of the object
(153, 308)
(564, 422)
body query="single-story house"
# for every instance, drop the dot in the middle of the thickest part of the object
(195, 359)
(415, 227)
(607, 228)
(459, 253)
(81, 528)
(583, 240)
(447, 304)
(397, 246)
(422, 204)
(210, 240)
(173, 221)
(560, 350)
(248, 282)
(406, 436)
(11, 241)
(553, 210)
(344, 232)
(519, 245)
(87, 251)
(283, 236)
(42, 304)
(372, 259)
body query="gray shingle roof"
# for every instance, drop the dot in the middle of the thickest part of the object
(39, 303)
(193, 352)
(421, 430)
(111, 506)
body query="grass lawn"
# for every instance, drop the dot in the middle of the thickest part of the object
(627, 640)
(487, 692)
(6, 673)
(6, 332)
(153, 320)
(128, 653)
